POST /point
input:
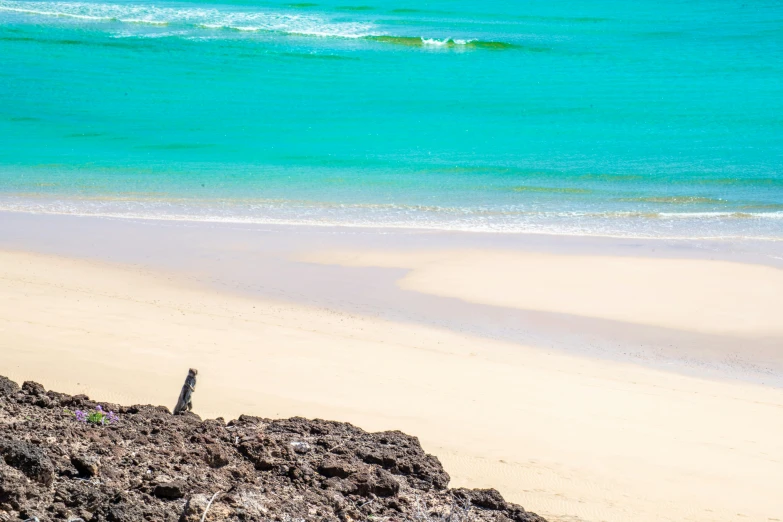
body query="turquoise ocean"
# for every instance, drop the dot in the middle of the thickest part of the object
(652, 118)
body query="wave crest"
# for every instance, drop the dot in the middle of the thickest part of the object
(197, 18)
(270, 21)
(446, 43)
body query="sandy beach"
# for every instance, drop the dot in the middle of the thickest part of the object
(544, 238)
(703, 296)
(572, 435)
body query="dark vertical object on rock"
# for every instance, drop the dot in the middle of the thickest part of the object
(185, 401)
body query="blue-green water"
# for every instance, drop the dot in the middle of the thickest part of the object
(646, 118)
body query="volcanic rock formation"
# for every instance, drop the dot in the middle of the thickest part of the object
(151, 465)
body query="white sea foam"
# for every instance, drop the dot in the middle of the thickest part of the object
(255, 20)
(445, 41)
(435, 41)
(766, 226)
(199, 20)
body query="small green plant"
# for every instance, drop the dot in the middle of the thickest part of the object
(96, 416)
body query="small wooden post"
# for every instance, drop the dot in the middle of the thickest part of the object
(185, 401)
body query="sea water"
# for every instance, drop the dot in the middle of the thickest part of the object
(652, 118)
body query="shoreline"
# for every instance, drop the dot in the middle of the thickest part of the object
(401, 228)
(742, 249)
(292, 265)
(616, 224)
(562, 434)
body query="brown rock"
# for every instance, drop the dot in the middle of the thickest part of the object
(402, 454)
(12, 489)
(125, 512)
(86, 465)
(377, 482)
(170, 490)
(33, 388)
(258, 454)
(334, 467)
(197, 504)
(216, 457)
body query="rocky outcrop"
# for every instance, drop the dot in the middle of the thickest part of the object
(7, 386)
(153, 466)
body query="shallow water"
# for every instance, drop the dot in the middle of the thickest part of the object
(659, 119)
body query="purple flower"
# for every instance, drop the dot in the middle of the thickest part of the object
(113, 417)
(80, 416)
(98, 407)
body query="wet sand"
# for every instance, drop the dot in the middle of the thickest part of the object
(282, 263)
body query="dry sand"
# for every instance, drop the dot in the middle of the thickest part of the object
(716, 297)
(571, 438)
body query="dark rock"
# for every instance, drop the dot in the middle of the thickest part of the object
(518, 514)
(258, 454)
(402, 454)
(7, 386)
(483, 498)
(249, 419)
(338, 484)
(216, 457)
(29, 515)
(12, 489)
(76, 401)
(29, 459)
(152, 466)
(170, 490)
(43, 402)
(334, 467)
(377, 482)
(125, 512)
(491, 499)
(33, 388)
(58, 399)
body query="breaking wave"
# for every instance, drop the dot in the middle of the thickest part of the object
(449, 43)
(208, 18)
(195, 19)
